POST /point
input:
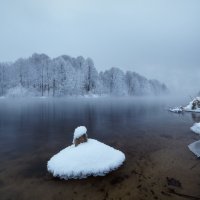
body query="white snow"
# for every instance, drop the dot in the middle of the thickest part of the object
(91, 158)
(196, 128)
(79, 131)
(195, 148)
(176, 110)
(17, 91)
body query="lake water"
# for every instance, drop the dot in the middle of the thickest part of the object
(153, 140)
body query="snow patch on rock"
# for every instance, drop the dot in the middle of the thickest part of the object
(79, 131)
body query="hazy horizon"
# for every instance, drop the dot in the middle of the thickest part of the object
(157, 39)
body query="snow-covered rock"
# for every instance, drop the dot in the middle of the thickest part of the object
(196, 128)
(90, 158)
(79, 131)
(193, 106)
(87, 159)
(195, 148)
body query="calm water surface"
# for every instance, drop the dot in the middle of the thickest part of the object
(32, 131)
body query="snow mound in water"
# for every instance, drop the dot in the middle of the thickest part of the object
(196, 128)
(176, 110)
(91, 158)
(195, 148)
(79, 131)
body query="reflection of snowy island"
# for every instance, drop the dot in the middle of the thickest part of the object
(85, 157)
(193, 106)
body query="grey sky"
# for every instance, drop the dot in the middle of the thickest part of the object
(157, 38)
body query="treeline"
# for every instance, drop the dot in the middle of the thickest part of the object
(40, 75)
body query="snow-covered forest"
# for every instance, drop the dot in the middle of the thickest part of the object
(40, 75)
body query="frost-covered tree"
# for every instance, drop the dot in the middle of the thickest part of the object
(113, 81)
(133, 83)
(90, 76)
(3, 78)
(40, 62)
(40, 75)
(157, 88)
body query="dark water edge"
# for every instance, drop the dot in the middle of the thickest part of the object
(153, 140)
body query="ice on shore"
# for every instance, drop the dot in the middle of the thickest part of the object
(90, 158)
(195, 148)
(196, 128)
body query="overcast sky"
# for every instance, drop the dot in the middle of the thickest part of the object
(156, 38)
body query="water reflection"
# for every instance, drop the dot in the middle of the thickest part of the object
(195, 117)
(26, 125)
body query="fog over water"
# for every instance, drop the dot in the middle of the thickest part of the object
(34, 122)
(158, 39)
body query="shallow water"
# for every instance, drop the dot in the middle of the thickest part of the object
(153, 139)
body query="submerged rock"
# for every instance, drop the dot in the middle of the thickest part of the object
(173, 182)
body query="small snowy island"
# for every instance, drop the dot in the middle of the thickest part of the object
(85, 157)
(193, 106)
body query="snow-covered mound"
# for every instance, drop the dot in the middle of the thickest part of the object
(79, 131)
(195, 148)
(193, 106)
(176, 110)
(91, 158)
(196, 128)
